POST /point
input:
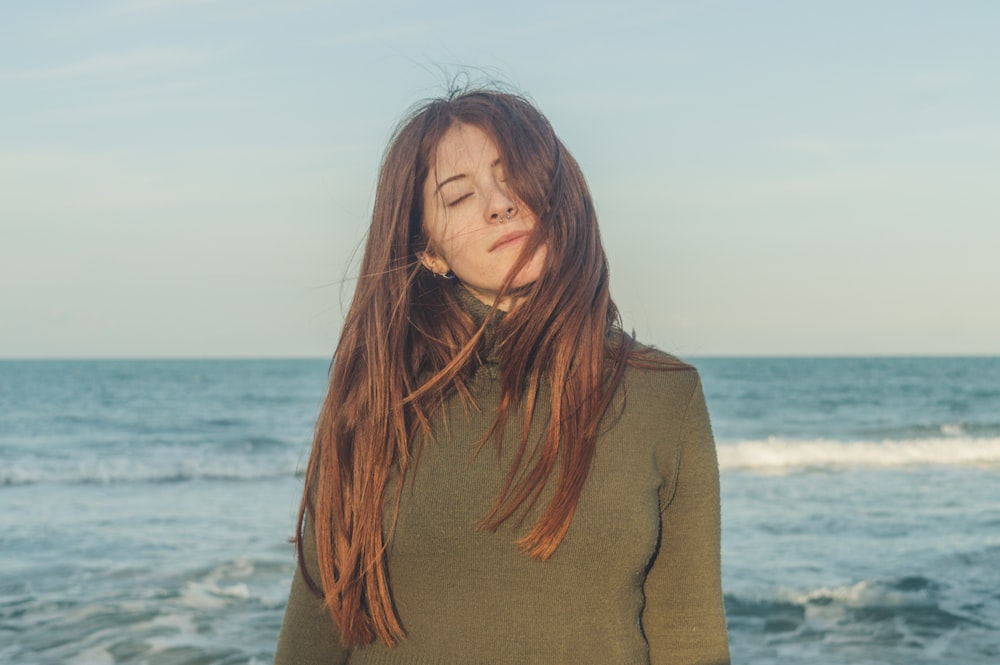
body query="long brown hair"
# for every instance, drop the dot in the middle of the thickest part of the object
(407, 345)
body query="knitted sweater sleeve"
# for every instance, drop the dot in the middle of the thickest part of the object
(308, 636)
(684, 619)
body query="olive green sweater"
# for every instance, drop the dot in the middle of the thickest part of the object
(636, 579)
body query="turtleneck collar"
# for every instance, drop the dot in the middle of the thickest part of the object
(479, 310)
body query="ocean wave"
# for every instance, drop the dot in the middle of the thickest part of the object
(915, 610)
(941, 429)
(777, 454)
(118, 470)
(221, 613)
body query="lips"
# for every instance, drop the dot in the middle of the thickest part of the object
(508, 239)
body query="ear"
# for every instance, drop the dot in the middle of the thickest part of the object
(433, 262)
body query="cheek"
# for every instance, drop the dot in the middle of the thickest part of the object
(439, 236)
(451, 247)
(457, 242)
(533, 270)
(538, 261)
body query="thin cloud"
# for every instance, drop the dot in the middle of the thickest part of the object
(820, 146)
(144, 6)
(62, 183)
(113, 64)
(979, 135)
(232, 9)
(938, 81)
(380, 34)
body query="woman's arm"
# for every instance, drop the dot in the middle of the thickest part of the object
(308, 636)
(684, 619)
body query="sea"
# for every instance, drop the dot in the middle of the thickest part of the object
(146, 507)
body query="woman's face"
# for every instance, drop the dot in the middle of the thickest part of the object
(466, 208)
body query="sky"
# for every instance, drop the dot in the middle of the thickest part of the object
(193, 178)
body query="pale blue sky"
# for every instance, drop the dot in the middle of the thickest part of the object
(193, 177)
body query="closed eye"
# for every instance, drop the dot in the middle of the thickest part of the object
(455, 202)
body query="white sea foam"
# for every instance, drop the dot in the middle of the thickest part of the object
(952, 429)
(170, 631)
(867, 593)
(110, 470)
(212, 591)
(778, 454)
(97, 655)
(209, 595)
(912, 611)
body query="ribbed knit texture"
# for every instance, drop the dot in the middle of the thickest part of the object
(636, 579)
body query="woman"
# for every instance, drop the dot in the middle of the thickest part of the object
(499, 473)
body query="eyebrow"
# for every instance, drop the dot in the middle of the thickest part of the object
(496, 163)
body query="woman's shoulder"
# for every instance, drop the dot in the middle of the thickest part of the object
(652, 368)
(658, 399)
(658, 380)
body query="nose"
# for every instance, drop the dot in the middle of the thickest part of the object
(502, 207)
(503, 216)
